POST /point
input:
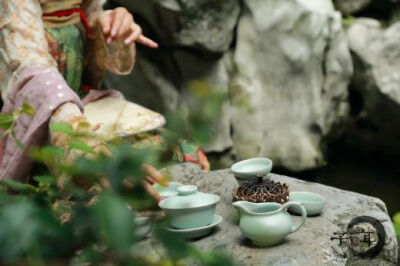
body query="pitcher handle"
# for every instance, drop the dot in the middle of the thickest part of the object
(303, 214)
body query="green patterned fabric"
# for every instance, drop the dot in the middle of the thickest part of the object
(66, 46)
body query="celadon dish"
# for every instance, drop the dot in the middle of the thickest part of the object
(143, 227)
(252, 168)
(190, 208)
(166, 192)
(198, 231)
(313, 203)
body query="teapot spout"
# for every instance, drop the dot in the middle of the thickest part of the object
(242, 207)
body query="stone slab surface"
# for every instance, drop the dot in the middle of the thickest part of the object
(311, 245)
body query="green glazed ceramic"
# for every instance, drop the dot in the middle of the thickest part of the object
(190, 208)
(313, 203)
(142, 227)
(197, 232)
(165, 192)
(251, 168)
(267, 224)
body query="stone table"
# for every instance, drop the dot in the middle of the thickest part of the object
(311, 245)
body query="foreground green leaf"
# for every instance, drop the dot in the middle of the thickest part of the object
(80, 145)
(27, 109)
(17, 186)
(47, 154)
(6, 121)
(48, 180)
(62, 127)
(114, 222)
(396, 221)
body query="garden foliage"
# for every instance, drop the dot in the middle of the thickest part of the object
(83, 213)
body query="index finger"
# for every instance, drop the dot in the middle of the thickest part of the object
(147, 41)
(153, 173)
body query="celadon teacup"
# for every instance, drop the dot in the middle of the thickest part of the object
(313, 203)
(251, 169)
(267, 224)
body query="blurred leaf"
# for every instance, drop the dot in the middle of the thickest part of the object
(139, 198)
(17, 228)
(200, 89)
(96, 226)
(347, 21)
(215, 259)
(126, 162)
(59, 238)
(396, 218)
(397, 229)
(89, 168)
(80, 145)
(177, 124)
(47, 153)
(396, 221)
(114, 222)
(27, 109)
(48, 180)
(6, 121)
(17, 186)
(53, 151)
(62, 127)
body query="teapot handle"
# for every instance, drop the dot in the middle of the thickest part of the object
(303, 214)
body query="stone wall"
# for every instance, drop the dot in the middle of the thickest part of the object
(375, 87)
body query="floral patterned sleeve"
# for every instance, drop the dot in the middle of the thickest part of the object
(22, 40)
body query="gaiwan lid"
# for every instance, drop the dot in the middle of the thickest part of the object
(188, 197)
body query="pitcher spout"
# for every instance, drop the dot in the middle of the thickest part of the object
(251, 208)
(242, 207)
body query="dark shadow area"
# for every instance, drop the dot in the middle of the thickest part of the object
(370, 173)
(380, 10)
(356, 102)
(366, 172)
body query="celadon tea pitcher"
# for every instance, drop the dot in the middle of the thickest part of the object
(267, 224)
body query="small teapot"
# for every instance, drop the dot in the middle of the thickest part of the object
(267, 224)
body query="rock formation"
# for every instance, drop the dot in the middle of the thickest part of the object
(375, 88)
(285, 64)
(293, 66)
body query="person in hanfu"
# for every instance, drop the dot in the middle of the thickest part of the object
(53, 53)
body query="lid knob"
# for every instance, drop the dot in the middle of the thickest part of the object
(187, 190)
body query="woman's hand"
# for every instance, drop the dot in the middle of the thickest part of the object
(119, 23)
(153, 176)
